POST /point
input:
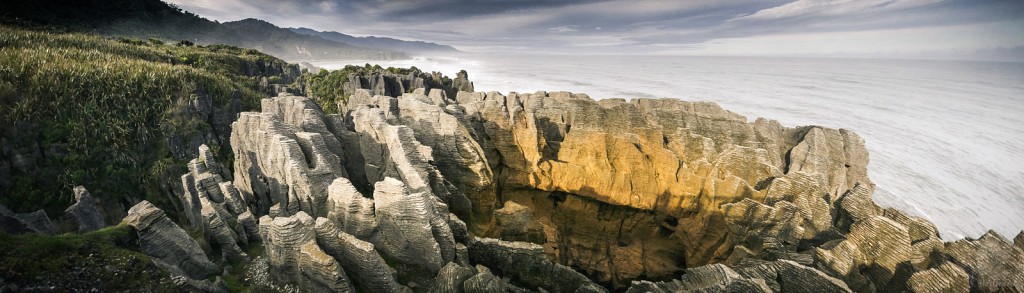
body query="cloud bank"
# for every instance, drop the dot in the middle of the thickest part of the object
(704, 27)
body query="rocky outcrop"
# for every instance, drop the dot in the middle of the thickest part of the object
(1019, 240)
(454, 150)
(34, 222)
(378, 81)
(409, 228)
(84, 211)
(944, 278)
(710, 278)
(168, 244)
(408, 192)
(285, 156)
(713, 179)
(780, 276)
(393, 151)
(517, 223)
(527, 263)
(217, 208)
(353, 212)
(461, 82)
(994, 263)
(296, 258)
(364, 265)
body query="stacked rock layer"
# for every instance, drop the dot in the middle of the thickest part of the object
(559, 192)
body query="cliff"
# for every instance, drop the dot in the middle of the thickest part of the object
(559, 192)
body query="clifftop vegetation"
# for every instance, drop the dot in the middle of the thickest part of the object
(81, 109)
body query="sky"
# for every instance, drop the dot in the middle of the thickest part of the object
(702, 27)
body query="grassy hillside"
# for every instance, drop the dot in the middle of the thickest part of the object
(105, 260)
(80, 109)
(155, 18)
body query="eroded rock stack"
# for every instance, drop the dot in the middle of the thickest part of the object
(217, 208)
(171, 247)
(84, 211)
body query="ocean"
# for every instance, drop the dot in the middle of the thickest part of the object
(945, 138)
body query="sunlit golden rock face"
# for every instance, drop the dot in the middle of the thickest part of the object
(700, 175)
(594, 193)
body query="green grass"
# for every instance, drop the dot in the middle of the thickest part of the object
(101, 259)
(327, 87)
(101, 109)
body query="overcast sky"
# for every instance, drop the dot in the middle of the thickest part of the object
(713, 27)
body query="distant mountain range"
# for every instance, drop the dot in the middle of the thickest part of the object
(377, 42)
(157, 19)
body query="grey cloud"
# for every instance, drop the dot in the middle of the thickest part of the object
(634, 25)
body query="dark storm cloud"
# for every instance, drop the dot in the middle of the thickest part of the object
(608, 24)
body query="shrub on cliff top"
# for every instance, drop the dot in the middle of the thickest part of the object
(96, 111)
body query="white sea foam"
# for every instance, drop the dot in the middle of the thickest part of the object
(946, 138)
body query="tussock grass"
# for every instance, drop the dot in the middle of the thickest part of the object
(101, 110)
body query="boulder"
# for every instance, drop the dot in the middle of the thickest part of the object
(167, 243)
(84, 211)
(34, 222)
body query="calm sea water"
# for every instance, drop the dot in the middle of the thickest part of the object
(946, 138)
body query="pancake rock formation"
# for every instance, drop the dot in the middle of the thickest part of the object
(426, 191)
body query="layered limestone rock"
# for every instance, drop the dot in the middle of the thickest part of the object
(527, 263)
(709, 278)
(461, 82)
(84, 211)
(286, 156)
(217, 208)
(353, 212)
(994, 263)
(34, 222)
(518, 223)
(684, 162)
(456, 153)
(169, 245)
(410, 229)
(780, 276)
(364, 265)
(393, 151)
(296, 258)
(944, 278)
(604, 193)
